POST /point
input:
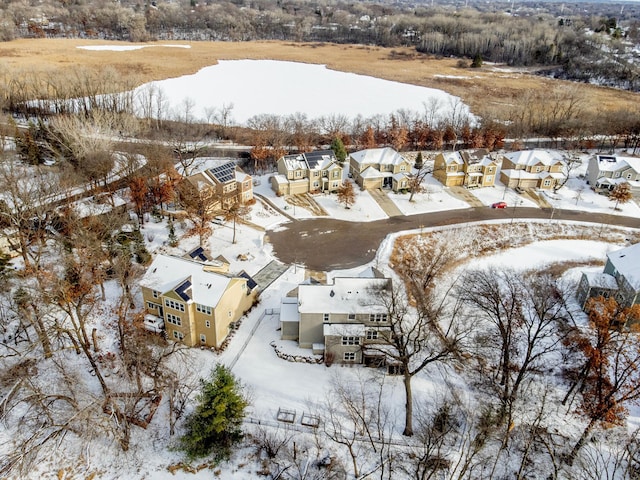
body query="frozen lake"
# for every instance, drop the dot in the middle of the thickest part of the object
(255, 87)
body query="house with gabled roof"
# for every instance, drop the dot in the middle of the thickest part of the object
(620, 278)
(224, 186)
(317, 171)
(380, 168)
(532, 169)
(604, 172)
(465, 168)
(338, 319)
(197, 303)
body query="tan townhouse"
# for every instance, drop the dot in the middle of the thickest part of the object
(380, 168)
(532, 169)
(317, 171)
(197, 304)
(339, 320)
(465, 168)
(224, 186)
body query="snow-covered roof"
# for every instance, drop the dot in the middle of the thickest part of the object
(241, 176)
(379, 156)
(168, 273)
(345, 295)
(400, 176)
(279, 178)
(343, 329)
(371, 172)
(320, 159)
(534, 157)
(612, 163)
(289, 310)
(524, 175)
(627, 262)
(601, 280)
(295, 162)
(470, 157)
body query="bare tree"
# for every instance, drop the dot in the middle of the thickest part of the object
(524, 315)
(620, 194)
(346, 194)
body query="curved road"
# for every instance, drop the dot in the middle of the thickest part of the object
(326, 244)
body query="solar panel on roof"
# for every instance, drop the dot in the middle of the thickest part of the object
(251, 283)
(199, 254)
(182, 290)
(313, 158)
(224, 173)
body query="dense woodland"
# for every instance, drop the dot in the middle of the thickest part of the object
(582, 41)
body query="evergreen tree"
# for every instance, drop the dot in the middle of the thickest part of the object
(214, 426)
(173, 240)
(477, 61)
(419, 161)
(338, 149)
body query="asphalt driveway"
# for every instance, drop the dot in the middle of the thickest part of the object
(326, 244)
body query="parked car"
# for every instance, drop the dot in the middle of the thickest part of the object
(499, 205)
(153, 323)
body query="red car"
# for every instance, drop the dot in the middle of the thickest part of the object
(499, 205)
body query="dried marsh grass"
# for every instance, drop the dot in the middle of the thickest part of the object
(482, 89)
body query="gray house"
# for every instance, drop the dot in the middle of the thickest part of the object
(606, 171)
(620, 278)
(338, 320)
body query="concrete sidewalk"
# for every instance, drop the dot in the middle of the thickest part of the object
(386, 204)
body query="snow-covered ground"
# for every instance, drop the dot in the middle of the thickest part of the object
(275, 383)
(255, 87)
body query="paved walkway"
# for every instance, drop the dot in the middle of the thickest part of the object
(386, 204)
(269, 274)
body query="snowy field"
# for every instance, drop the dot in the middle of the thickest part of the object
(273, 87)
(274, 383)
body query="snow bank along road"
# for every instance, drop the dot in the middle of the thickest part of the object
(325, 244)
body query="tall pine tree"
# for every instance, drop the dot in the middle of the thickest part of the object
(214, 426)
(338, 149)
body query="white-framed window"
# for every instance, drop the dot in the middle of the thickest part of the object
(336, 173)
(298, 174)
(203, 309)
(316, 184)
(155, 293)
(316, 173)
(372, 334)
(203, 338)
(325, 317)
(152, 305)
(173, 304)
(378, 317)
(617, 174)
(489, 178)
(629, 175)
(207, 324)
(350, 340)
(352, 316)
(349, 356)
(547, 183)
(174, 319)
(229, 313)
(335, 184)
(403, 168)
(178, 335)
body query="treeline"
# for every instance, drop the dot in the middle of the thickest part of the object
(586, 47)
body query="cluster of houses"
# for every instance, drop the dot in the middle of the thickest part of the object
(198, 301)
